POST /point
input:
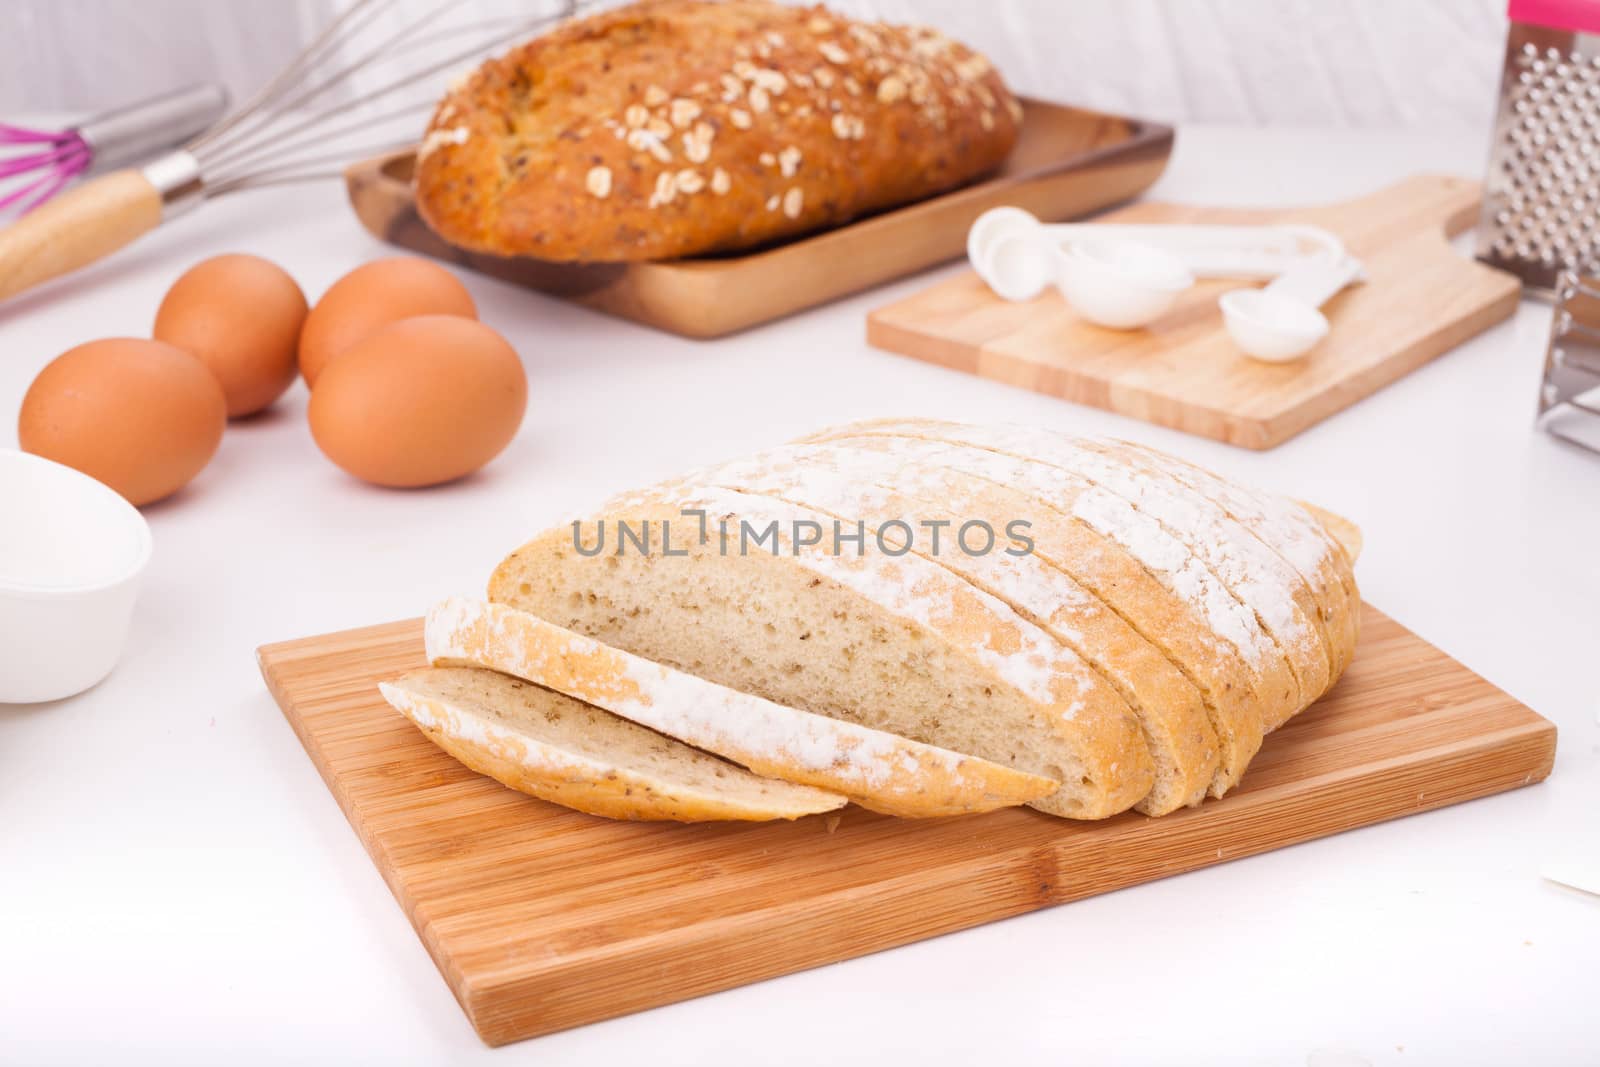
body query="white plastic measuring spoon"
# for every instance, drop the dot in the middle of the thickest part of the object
(1018, 256)
(1282, 322)
(1121, 284)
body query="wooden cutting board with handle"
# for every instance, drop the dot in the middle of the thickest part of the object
(542, 918)
(1421, 299)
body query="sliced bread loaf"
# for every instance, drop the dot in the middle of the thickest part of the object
(900, 499)
(889, 774)
(558, 749)
(895, 643)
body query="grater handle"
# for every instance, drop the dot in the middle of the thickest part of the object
(77, 228)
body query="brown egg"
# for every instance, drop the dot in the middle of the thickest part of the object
(240, 316)
(141, 416)
(373, 296)
(422, 401)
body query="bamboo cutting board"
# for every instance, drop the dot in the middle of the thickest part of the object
(541, 918)
(1421, 299)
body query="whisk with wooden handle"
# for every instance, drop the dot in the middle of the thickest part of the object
(301, 126)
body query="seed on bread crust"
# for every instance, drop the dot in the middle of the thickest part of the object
(770, 80)
(684, 112)
(666, 189)
(697, 142)
(598, 182)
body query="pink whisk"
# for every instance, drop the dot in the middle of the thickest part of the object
(38, 164)
(339, 100)
(61, 155)
(35, 164)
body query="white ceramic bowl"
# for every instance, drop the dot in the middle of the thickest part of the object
(71, 555)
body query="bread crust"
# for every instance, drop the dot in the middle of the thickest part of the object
(673, 128)
(880, 771)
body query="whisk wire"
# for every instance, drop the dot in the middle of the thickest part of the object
(284, 147)
(221, 162)
(289, 173)
(10, 134)
(349, 21)
(343, 74)
(63, 153)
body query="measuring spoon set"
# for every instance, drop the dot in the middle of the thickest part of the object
(1125, 276)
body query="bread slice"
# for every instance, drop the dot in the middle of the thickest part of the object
(893, 643)
(1164, 555)
(908, 500)
(1245, 554)
(1173, 623)
(1315, 550)
(880, 771)
(562, 750)
(1282, 602)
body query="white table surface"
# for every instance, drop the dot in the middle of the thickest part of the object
(178, 886)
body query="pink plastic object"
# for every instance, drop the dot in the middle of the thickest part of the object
(59, 156)
(1577, 16)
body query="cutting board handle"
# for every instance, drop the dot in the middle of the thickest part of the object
(1449, 202)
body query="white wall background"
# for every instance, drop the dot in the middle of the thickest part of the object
(1370, 63)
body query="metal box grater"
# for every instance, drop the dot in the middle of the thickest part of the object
(1541, 208)
(1569, 401)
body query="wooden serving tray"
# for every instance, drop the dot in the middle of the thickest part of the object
(541, 918)
(1067, 162)
(1183, 371)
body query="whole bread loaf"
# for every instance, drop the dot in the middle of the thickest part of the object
(672, 128)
